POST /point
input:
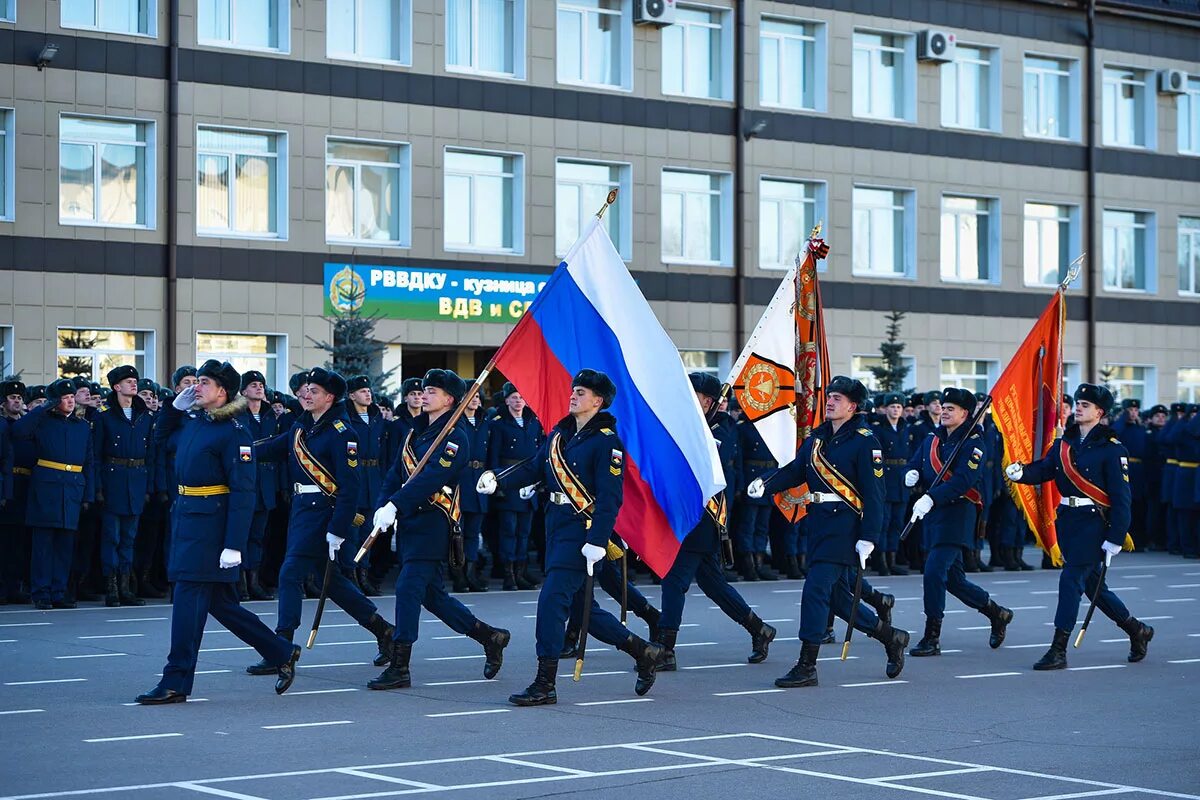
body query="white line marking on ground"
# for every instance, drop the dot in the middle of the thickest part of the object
(459, 658)
(1177, 600)
(307, 725)
(389, 779)
(977, 628)
(1131, 577)
(798, 591)
(7, 641)
(22, 711)
(749, 691)
(1006, 583)
(469, 713)
(549, 767)
(617, 702)
(341, 664)
(1124, 588)
(1152, 619)
(1027, 608)
(1183, 585)
(938, 774)
(713, 666)
(457, 683)
(92, 655)
(872, 683)
(133, 738)
(1045, 591)
(1185, 661)
(139, 619)
(218, 792)
(204, 672)
(190, 700)
(113, 636)
(773, 621)
(695, 644)
(1096, 666)
(320, 691)
(1024, 646)
(338, 644)
(223, 649)
(24, 624)
(39, 683)
(988, 675)
(592, 674)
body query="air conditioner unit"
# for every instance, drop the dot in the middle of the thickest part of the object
(658, 13)
(1172, 81)
(935, 45)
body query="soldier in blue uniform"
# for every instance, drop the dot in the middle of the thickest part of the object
(18, 466)
(148, 554)
(891, 429)
(426, 504)
(371, 430)
(213, 506)
(124, 459)
(1166, 448)
(474, 505)
(699, 555)
(1090, 467)
(842, 463)
(1156, 509)
(754, 513)
(1184, 439)
(60, 487)
(583, 461)
(262, 423)
(516, 435)
(1130, 429)
(949, 513)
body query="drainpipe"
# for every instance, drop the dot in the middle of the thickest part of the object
(1093, 257)
(172, 186)
(739, 158)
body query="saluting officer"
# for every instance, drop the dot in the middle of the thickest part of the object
(371, 431)
(583, 461)
(215, 500)
(842, 463)
(949, 512)
(262, 423)
(516, 435)
(891, 429)
(1090, 467)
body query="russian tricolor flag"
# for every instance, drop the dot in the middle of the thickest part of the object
(591, 314)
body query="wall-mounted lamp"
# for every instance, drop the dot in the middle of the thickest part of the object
(749, 132)
(49, 51)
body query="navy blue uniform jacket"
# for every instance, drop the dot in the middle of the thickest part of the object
(372, 451)
(952, 518)
(754, 461)
(114, 437)
(896, 451)
(55, 495)
(268, 484)
(705, 538)
(479, 436)
(509, 445)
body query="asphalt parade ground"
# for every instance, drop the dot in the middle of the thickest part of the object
(972, 723)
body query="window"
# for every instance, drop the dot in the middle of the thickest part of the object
(483, 207)
(792, 63)
(369, 30)
(7, 359)
(710, 362)
(1128, 250)
(91, 353)
(1051, 89)
(1071, 377)
(8, 166)
(1127, 115)
(965, 373)
(1188, 383)
(787, 212)
(264, 352)
(103, 172)
(245, 24)
(696, 223)
(1130, 382)
(367, 192)
(137, 17)
(695, 51)
(884, 72)
(971, 89)
(970, 238)
(1051, 234)
(8, 10)
(581, 188)
(1189, 255)
(241, 182)
(1187, 105)
(595, 42)
(884, 242)
(486, 36)
(860, 368)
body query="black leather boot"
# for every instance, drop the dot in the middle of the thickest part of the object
(805, 671)
(242, 589)
(1140, 635)
(970, 562)
(158, 696)
(83, 589)
(666, 637)
(287, 671)
(1008, 557)
(1000, 617)
(459, 580)
(396, 676)
(257, 592)
(1056, 656)
(146, 587)
(1018, 556)
(650, 615)
(647, 656)
(794, 572)
(763, 569)
(882, 603)
(761, 636)
(383, 632)
(510, 581)
(112, 591)
(494, 640)
(983, 565)
(746, 567)
(370, 588)
(893, 567)
(541, 692)
(881, 564)
(265, 667)
(894, 641)
(475, 581)
(522, 577)
(930, 644)
(570, 643)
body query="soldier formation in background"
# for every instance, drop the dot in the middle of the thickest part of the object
(218, 490)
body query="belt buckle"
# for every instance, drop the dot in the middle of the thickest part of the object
(296, 487)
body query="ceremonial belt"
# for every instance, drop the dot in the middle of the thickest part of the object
(1085, 487)
(475, 465)
(58, 465)
(1173, 462)
(1133, 460)
(311, 467)
(581, 500)
(1189, 464)
(370, 462)
(718, 508)
(126, 462)
(895, 461)
(444, 500)
(202, 491)
(22, 471)
(834, 479)
(935, 461)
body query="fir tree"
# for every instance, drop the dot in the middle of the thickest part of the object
(890, 376)
(354, 350)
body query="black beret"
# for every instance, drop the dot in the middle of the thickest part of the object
(507, 390)
(118, 374)
(296, 381)
(598, 383)
(181, 373)
(1098, 396)
(11, 387)
(447, 381)
(35, 393)
(147, 385)
(252, 375)
(59, 389)
(893, 398)
(1131, 402)
(410, 385)
(706, 384)
(328, 380)
(223, 373)
(1158, 409)
(917, 399)
(851, 388)
(963, 398)
(358, 382)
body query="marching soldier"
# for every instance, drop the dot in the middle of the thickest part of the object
(842, 463)
(891, 429)
(262, 424)
(214, 503)
(609, 577)
(371, 430)
(427, 507)
(516, 435)
(583, 461)
(949, 512)
(19, 459)
(1090, 468)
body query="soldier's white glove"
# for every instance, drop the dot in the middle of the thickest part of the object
(1014, 471)
(1110, 550)
(385, 517)
(335, 544)
(185, 399)
(911, 477)
(756, 489)
(486, 483)
(864, 550)
(921, 507)
(527, 492)
(230, 558)
(592, 553)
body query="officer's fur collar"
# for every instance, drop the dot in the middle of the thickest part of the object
(230, 410)
(603, 419)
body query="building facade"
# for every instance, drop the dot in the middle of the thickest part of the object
(192, 178)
